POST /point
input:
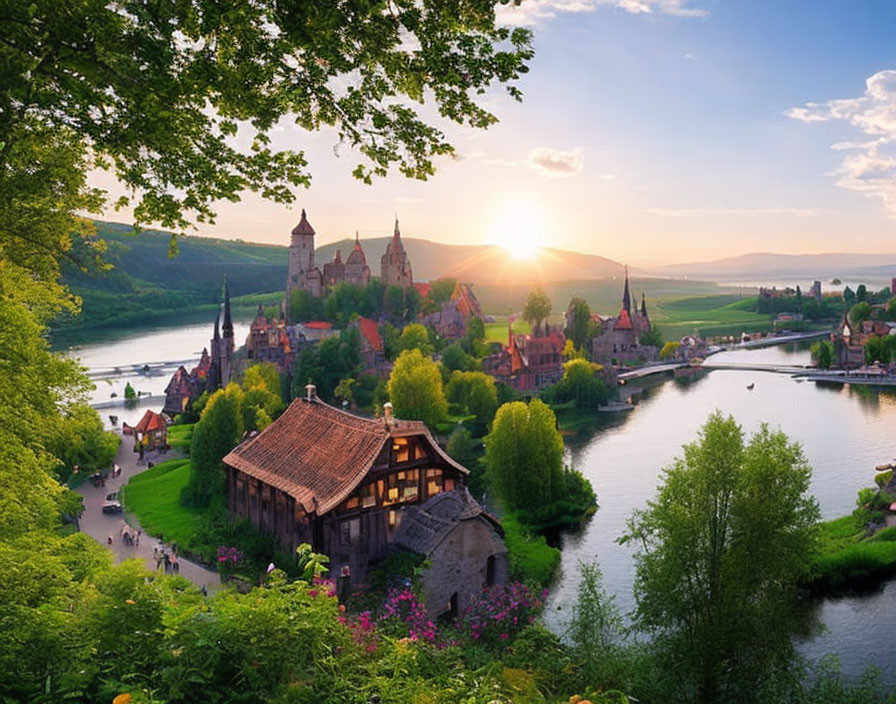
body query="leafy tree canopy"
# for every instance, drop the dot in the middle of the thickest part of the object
(524, 455)
(416, 337)
(731, 530)
(180, 99)
(537, 308)
(579, 327)
(415, 389)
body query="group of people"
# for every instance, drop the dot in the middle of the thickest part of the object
(128, 536)
(163, 557)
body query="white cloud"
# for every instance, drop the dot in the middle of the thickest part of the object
(869, 165)
(530, 12)
(555, 163)
(736, 212)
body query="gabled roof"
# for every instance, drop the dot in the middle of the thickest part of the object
(466, 301)
(425, 526)
(423, 288)
(304, 227)
(319, 454)
(319, 325)
(150, 421)
(371, 332)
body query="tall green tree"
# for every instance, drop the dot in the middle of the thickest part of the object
(475, 392)
(416, 336)
(823, 354)
(216, 434)
(524, 455)
(722, 545)
(415, 389)
(579, 327)
(537, 309)
(581, 384)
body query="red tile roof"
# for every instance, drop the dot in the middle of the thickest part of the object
(318, 454)
(319, 325)
(371, 332)
(623, 322)
(150, 421)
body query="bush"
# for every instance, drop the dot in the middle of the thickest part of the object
(531, 558)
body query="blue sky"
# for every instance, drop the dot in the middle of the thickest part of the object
(652, 131)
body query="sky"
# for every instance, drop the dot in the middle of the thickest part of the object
(650, 132)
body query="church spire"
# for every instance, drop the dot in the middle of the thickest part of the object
(217, 327)
(397, 232)
(626, 296)
(227, 327)
(643, 304)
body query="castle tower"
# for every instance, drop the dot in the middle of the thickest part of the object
(334, 271)
(302, 272)
(395, 266)
(357, 272)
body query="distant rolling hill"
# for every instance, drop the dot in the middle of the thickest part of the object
(769, 266)
(481, 263)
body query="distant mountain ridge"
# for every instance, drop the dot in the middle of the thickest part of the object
(765, 265)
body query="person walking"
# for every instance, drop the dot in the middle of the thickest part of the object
(110, 539)
(137, 542)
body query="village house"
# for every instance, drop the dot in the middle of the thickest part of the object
(373, 351)
(269, 341)
(528, 362)
(151, 431)
(345, 484)
(849, 345)
(456, 313)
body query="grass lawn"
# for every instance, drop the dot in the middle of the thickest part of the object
(179, 436)
(497, 331)
(154, 497)
(720, 314)
(848, 558)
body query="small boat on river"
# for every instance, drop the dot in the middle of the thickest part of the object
(751, 385)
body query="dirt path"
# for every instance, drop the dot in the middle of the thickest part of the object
(99, 525)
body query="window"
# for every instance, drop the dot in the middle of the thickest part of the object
(490, 571)
(368, 495)
(349, 531)
(394, 519)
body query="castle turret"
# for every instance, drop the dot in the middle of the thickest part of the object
(643, 305)
(227, 326)
(357, 272)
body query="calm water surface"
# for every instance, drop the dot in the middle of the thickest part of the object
(845, 433)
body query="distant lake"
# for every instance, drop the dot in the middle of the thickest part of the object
(845, 432)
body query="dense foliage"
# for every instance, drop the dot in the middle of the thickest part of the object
(537, 308)
(415, 389)
(722, 546)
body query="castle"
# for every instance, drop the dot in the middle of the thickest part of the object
(305, 276)
(617, 342)
(221, 368)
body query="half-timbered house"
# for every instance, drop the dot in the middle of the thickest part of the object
(340, 482)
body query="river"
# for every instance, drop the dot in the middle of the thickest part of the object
(845, 433)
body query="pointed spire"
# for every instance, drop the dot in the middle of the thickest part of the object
(304, 227)
(357, 241)
(397, 232)
(626, 296)
(227, 326)
(217, 326)
(643, 304)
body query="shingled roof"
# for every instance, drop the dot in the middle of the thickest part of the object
(423, 527)
(319, 454)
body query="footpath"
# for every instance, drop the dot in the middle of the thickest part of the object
(99, 525)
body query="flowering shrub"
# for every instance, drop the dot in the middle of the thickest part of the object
(229, 558)
(402, 610)
(498, 614)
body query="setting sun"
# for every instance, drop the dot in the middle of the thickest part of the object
(520, 227)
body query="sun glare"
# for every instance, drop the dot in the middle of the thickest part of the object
(520, 227)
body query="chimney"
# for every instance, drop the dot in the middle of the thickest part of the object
(310, 392)
(387, 413)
